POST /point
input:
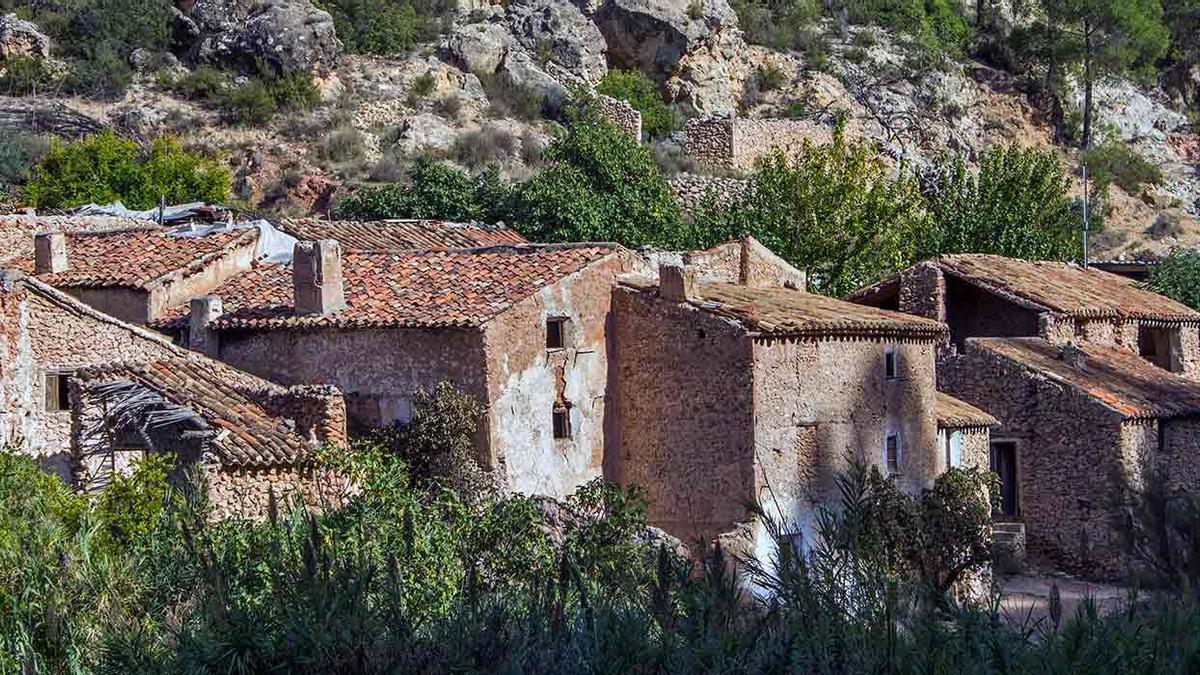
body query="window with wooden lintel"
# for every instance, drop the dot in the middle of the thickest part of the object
(562, 422)
(556, 333)
(58, 392)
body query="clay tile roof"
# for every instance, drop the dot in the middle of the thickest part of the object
(17, 230)
(229, 400)
(404, 289)
(1065, 288)
(136, 258)
(1121, 380)
(789, 312)
(399, 235)
(955, 414)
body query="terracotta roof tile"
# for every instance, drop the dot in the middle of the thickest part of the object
(789, 312)
(136, 258)
(227, 399)
(399, 235)
(955, 414)
(17, 230)
(403, 288)
(1121, 380)
(1065, 288)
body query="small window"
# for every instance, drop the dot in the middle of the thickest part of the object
(1162, 434)
(58, 392)
(555, 333)
(892, 454)
(954, 448)
(562, 422)
(889, 363)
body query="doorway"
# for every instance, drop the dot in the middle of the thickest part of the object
(1003, 459)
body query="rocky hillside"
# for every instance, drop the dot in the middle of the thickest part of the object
(482, 85)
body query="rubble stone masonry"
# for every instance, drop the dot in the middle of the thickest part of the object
(737, 143)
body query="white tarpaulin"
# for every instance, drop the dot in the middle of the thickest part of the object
(273, 246)
(170, 214)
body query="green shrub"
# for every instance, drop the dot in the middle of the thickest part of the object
(250, 103)
(770, 77)
(1177, 276)
(488, 146)
(386, 26)
(25, 76)
(641, 93)
(507, 100)
(343, 144)
(205, 83)
(105, 167)
(1115, 162)
(423, 85)
(433, 190)
(19, 152)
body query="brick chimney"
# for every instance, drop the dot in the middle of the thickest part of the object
(49, 253)
(203, 311)
(676, 283)
(317, 277)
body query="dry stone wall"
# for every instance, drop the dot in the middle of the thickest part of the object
(246, 493)
(625, 116)
(737, 143)
(693, 190)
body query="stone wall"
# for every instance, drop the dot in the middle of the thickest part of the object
(1069, 454)
(319, 412)
(246, 493)
(626, 117)
(526, 381)
(737, 143)
(377, 369)
(684, 411)
(17, 230)
(43, 331)
(691, 190)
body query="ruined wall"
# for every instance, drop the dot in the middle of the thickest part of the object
(131, 305)
(684, 410)
(976, 447)
(692, 190)
(973, 312)
(744, 261)
(377, 369)
(525, 382)
(1180, 455)
(821, 404)
(180, 289)
(246, 492)
(319, 412)
(1069, 452)
(626, 117)
(43, 333)
(737, 143)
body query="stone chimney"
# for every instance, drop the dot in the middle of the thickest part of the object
(201, 337)
(676, 283)
(317, 277)
(1072, 355)
(49, 253)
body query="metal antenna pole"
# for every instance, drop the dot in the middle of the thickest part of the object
(1085, 215)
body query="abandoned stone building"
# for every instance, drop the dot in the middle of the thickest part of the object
(85, 393)
(730, 394)
(1092, 378)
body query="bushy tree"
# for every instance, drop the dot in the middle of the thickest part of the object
(433, 190)
(105, 167)
(599, 185)
(387, 26)
(1016, 205)
(641, 93)
(1177, 276)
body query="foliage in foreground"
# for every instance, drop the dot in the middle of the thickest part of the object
(1177, 276)
(640, 92)
(105, 167)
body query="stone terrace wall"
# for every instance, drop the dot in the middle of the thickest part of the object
(625, 116)
(692, 189)
(736, 144)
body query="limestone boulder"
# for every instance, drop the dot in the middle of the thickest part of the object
(524, 73)
(22, 38)
(559, 32)
(478, 47)
(691, 47)
(289, 34)
(425, 132)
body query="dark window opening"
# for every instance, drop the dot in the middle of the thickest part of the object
(562, 422)
(1003, 461)
(1159, 346)
(1162, 434)
(555, 333)
(58, 392)
(893, 454)
(889, 365)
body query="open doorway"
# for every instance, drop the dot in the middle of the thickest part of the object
(1003, 457)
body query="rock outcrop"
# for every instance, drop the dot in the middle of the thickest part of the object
(557, 31)
(21, 38)
(288, 34)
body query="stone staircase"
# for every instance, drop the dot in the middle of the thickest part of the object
(1008, 539)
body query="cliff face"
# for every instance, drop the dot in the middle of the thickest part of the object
(486, 91)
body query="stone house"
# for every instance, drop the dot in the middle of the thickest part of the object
(54, 349)
(135, 274)
(1089, 374)
(524, 329)
(730, 394)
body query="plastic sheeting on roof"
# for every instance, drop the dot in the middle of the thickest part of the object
(273, 245)
(170, 214)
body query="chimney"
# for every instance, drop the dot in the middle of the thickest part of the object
(49, 253)
(1072, 355)
(676, 283)
(203, 311)
(317, 277)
